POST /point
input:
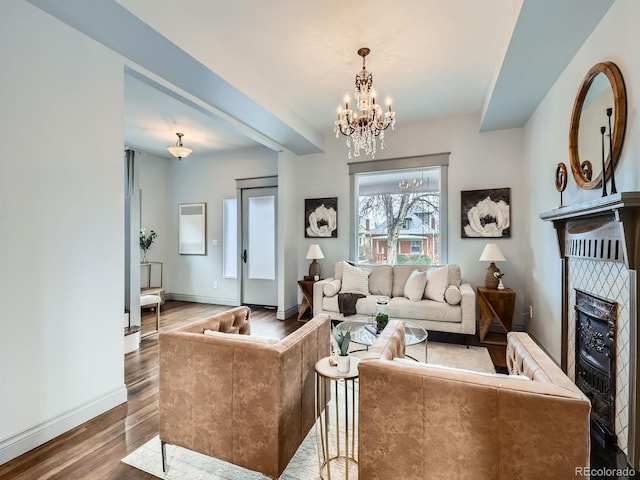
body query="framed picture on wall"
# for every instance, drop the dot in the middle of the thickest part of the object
(321, 217)
(486, 213)
(192, 229)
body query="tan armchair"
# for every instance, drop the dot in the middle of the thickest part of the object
(243, 400)
(418, 421)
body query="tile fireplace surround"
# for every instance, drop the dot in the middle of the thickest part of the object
(600, 250)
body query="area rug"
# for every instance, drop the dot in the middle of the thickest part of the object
(447, 354)
(185, 464)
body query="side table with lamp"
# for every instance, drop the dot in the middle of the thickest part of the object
(306, 286)
(495, 303)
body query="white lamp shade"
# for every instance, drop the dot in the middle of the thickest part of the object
(491, 253)
(314, 252)
(179, 152)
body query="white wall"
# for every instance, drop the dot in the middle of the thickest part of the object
(546, 144)
(478, 160)
(210, 179)
(154, 175)
(62, 221)
(290, 181)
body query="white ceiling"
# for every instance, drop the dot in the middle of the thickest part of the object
(219, 71)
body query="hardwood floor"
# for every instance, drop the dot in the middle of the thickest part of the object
(94, 449)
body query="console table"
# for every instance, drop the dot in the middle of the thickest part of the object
(149, 266)
(493, 305)
(153, 288)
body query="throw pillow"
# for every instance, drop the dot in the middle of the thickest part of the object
(414, 288)
(400, 275)
(381, 280)
(331, 288)
(337, 270)
(452, 295)
(437, 282)
(455, 276)
(355, 280)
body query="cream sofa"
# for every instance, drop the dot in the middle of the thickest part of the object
(420, 421)
(245, 400)
(454, 311)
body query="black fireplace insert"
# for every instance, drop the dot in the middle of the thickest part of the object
(596, 359)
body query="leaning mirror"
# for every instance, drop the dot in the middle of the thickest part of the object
(602, 88)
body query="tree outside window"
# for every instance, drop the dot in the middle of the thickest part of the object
(399, 217)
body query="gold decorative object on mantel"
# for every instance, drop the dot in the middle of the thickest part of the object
(602, 88)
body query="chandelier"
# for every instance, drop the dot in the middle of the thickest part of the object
(361, 126)
(413, 184)
(179, 151)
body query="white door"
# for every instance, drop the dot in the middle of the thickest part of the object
(259, 262)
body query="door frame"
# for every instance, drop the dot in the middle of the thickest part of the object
(247, 184)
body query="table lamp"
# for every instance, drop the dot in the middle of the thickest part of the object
(314, 253)
(491, 253)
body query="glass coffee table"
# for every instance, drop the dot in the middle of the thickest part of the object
(363, 334)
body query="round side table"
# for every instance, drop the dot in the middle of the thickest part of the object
(336, 431)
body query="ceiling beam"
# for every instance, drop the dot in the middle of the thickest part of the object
(546, 37)
(109, 23)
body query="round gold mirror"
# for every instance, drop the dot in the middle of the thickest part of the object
(601, 89)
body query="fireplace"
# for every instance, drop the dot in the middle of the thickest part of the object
(595, 360)
(599, 244)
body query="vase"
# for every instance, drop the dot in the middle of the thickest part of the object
(500, 284)
(344, 363)
(144, 257)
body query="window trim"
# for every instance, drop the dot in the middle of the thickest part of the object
(404, 163)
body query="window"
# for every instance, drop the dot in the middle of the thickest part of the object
(400, 213)
(230, 242)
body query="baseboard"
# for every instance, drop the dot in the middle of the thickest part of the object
(232, 302)
(284, 314)
(35, 436)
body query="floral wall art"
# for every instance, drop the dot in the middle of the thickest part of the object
(486, 213)
(321, 217)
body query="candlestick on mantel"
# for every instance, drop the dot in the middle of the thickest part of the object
(611, 163)
(604, 170)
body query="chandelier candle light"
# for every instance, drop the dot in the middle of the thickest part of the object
(361, 126)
